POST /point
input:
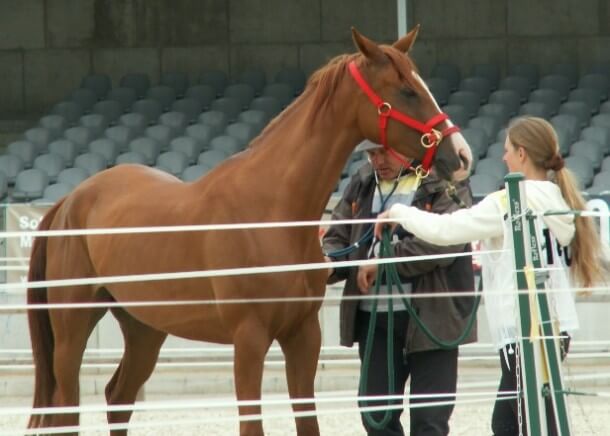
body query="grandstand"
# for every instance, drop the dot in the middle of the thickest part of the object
(186, 128)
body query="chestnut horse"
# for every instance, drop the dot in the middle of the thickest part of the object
(287, 174)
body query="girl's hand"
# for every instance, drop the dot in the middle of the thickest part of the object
(380, 226)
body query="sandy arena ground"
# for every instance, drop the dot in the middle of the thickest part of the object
(590, 416)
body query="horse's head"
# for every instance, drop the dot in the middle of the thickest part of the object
(397, 109)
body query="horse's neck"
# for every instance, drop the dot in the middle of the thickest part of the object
(302, 160)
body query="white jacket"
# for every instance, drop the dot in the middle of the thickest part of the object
(486, 221)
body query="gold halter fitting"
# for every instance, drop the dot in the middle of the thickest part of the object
(421, 173)
(384, 108)
(431, 138)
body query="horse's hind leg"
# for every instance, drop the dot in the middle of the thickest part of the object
(142, 345)
(71, 330)
(301, 349)
(252, 341)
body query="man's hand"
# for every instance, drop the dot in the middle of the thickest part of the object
(366, 277)
(380, 226)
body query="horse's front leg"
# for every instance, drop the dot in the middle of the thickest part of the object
(302, 349)
(252, 341)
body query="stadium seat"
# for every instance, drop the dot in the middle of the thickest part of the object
(131, 157)
(25, 150)
(484, 184)
(507, 97)
(99, 84)
(242, 92)
(559, 83)
(66, 149)
(270, 105)
(495, 110)
(257, 119)
(92, 162)
(200, 133)
(521, 85)
(489, 125)
(601, 120)
(177, 80)
(80, 136)
(84, 97)
(243, 132)
(72, 176)
(187, 146)
(598, 134)
(40, 137)
(230, 106)
(590, 150)
(56, 124)
(150, 108)
(70, 110)
(10, 166)
(173, 162)
(162, 134)
(110, 109)
(569, 122)
(106, 148)
(536, 109)
(227, 144)
(468, 99)
(139, 82)
(489, 71)
(457, 113)
(495, 150)
(211, 158)
(588, 95)
(449, 72)
(568, 70)
(596, 81)
(190, 107)
(126, 97)
(204, 94)
(121, 135)
(194, 172)
(217, 121)
(440, 89)
(176, 121)
(493, 167)
(527, 70)
(148, 147)
(550, 97)
(135, 122)
(56, 191)
(295, 77)
(282, 92)
(216, 79)
(477, 139)
(95, 123)
(30, 184)
(478, 85)
(254, 77)
(163, 94)
(582, 169)
(602, 179)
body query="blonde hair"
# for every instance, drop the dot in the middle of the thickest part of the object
(539, 140)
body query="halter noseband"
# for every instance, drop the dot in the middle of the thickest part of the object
(430, 138)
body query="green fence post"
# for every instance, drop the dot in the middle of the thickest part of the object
(530, 386)
(554, 386)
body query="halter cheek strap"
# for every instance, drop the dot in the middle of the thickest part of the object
(430, 138)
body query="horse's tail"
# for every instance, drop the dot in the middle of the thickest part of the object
(41, 334)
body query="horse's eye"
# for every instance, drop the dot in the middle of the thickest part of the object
(408, 92)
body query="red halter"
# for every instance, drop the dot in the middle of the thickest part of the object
(430, 138)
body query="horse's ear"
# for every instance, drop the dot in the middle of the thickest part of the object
(367, 47)
(405, 43)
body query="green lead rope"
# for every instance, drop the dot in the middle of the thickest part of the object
(391, 279)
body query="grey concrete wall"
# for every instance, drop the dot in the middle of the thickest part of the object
(47, 46)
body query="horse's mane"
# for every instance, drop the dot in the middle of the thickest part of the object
(324, 82)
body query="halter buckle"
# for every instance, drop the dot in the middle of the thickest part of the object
(421, 172)
(432, 138)
(384, 109)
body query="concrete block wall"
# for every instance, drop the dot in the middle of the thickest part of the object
(49, 45)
